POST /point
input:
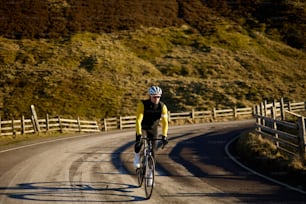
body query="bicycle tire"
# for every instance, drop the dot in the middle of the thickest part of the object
(141, 172)
(150, 166)
(140, 175)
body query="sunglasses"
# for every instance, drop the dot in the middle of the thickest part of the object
(155, 96)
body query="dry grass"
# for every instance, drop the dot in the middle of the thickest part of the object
(262, 155)
(103, 75)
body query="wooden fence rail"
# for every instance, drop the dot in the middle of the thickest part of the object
(124, 122)
(26, 126)
(288, 136)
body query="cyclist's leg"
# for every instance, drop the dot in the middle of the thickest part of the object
(153, 134)
(137, 155)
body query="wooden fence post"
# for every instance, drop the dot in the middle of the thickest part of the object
(262, 113)
(47, 122)
(79, 124)
(289, 106)
(282, 108)
(235, 112)
(60, 124)
(120, 123)
(302, 136)
(22, 125)
(105, 125)
(35, 118)
(192, 114)
(13, 127)
(214, 114)
(265, 107)
(258, 119)
(254, 110)
(33, 123)
(273, 113)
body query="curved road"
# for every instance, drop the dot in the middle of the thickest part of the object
(97, 168)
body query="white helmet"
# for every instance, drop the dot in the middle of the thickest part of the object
(155, 90)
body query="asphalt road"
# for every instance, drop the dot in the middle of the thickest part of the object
(195, 167)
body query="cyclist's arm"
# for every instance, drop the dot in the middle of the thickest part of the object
(164, 120)
(139, 117)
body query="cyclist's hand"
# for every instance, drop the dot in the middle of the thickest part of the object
(138, 142)
(164, 140)
(138, 137)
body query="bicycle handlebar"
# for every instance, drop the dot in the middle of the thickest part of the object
(153, 139)
(148, 138)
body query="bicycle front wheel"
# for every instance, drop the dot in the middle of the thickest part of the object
(149, 176)
(141, 172)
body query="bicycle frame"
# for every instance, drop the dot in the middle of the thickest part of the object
(148, 147)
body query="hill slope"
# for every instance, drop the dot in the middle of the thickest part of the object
(216, 62)
(282, 19)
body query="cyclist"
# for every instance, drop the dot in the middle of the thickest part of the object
(149, 114)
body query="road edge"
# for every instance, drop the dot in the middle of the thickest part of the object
(255, 172)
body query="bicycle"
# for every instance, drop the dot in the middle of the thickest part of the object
(146, 172)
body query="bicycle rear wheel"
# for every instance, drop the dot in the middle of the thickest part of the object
(149, 176)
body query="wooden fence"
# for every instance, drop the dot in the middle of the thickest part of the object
(26, 126)
(288, 135)
(124, 122)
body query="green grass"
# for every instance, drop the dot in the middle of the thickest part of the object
(103, 75)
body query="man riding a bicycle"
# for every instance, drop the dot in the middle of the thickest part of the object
(149, 113)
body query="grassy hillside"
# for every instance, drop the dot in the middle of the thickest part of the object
(103, 75)
(96, 59)
(281, 19)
